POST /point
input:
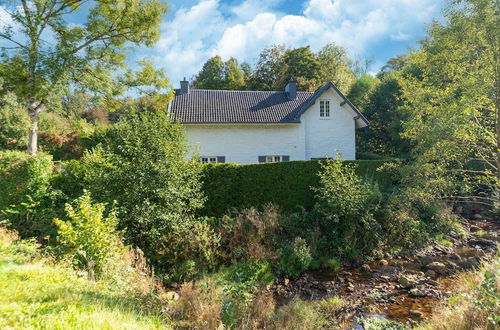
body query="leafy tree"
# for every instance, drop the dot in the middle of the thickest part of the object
(247, 74)
(269, 68)
(14, 123)
(234, 78)
(300, 64)
(48, 53)
(454, 108)
(360, 92)
(335, 67)
(383, 136)
(211, 75)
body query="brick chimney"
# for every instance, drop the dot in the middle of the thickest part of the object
(291, 90)
(184, 87)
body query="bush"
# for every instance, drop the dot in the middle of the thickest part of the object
(295, 258)
(141, 163)
(249, 234)
(88, 237)
(285, 184)
(346, 210)
(27, 202)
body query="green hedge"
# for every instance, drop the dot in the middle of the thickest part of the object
(286, 184)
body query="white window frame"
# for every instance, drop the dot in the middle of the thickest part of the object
(274, 158)
(325, 110)
(208, 160)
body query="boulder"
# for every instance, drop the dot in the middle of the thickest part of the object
(405, 282)
(425, 260)
(415, 292)
(430, 273)
(438, 267)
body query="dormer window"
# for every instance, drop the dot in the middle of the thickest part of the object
(324, 108)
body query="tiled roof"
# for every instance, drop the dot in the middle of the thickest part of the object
(222, 106)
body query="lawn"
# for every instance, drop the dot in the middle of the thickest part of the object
(38, 293)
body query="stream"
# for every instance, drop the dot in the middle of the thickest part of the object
(402, 288)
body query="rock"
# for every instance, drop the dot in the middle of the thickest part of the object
(287, 281)
(417, 292)
(433, 283)
(366, 268)
(474, 229)
(455, 257)
(383, 262)
(451, 265)
(415, 313)
(405, 282)
(430, 273)
(171, 295)
(470, 263)
(477, 216)
(425, 260)
(438, 267)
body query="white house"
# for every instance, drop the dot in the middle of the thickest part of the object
(262, 126)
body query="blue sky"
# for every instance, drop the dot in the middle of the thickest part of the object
(195, 30)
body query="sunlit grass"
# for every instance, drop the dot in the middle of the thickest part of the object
(37, 293)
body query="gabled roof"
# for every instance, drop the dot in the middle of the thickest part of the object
(202, 106)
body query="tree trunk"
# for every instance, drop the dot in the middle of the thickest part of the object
(33, 132)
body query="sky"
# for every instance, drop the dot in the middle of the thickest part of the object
(195, 30)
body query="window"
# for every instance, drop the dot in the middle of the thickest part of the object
(273, 158)
(324, 109)
(208, 159)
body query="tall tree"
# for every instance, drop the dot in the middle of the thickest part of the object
(268, 69)
(300, 64)
(234, 78)
(454, 108)
(211, 75)
(335, 67)
(48, 53)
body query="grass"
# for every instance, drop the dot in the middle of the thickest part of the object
(39, 293)
(473, 305)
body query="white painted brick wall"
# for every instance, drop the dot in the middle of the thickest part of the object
(312, 138)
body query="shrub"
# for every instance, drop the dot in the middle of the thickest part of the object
(88, 237)
(285, 184)
(249, 234)
(27, 202)
(141, 163)
(295, 258)
(346, 207)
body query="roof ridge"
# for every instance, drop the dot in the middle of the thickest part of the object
(232, 90)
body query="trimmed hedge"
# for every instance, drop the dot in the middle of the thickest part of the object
(286, 184)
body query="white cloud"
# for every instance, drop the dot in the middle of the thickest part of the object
(242, 31)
